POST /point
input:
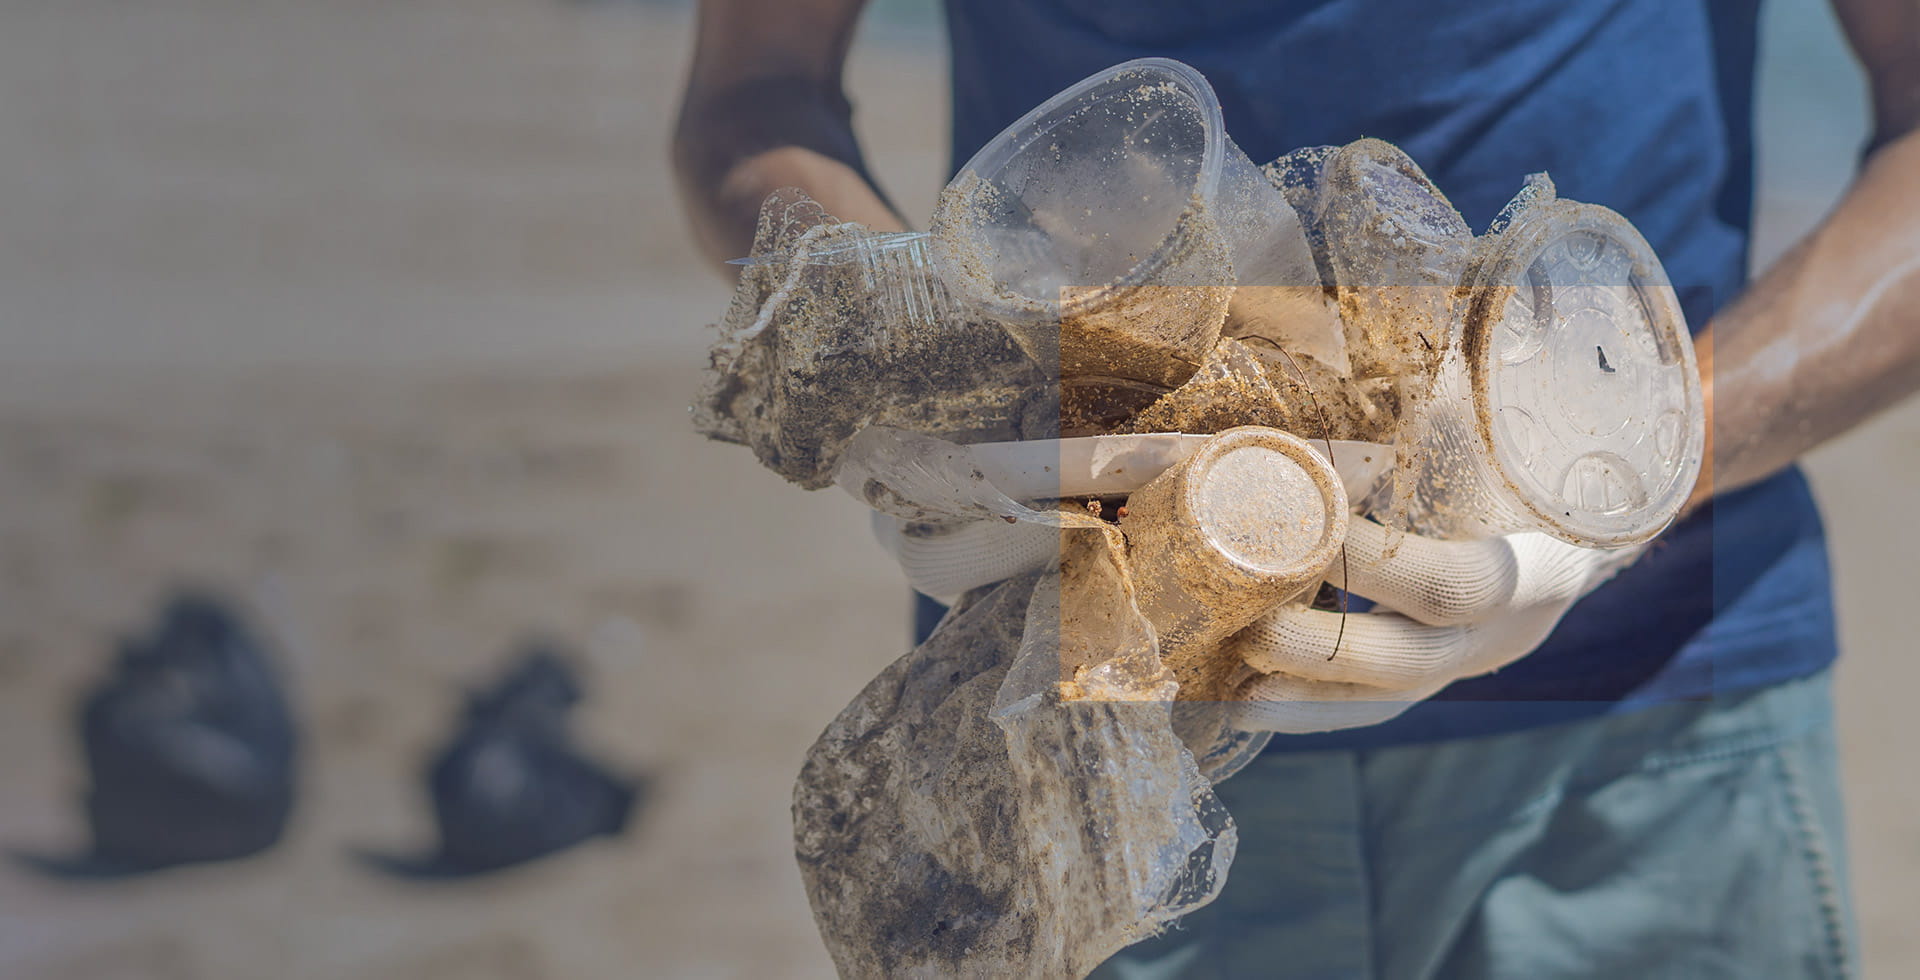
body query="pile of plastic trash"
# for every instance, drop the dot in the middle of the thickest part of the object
(1142, 386)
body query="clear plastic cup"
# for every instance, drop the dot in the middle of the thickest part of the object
(1574, 382)
(1251, 519)
(1543, 374)
(1567, 399)
(1108, 227)
(1397, 250)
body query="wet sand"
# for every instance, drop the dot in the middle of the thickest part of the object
(381, 319)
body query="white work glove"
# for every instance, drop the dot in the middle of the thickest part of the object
(1448, 610)
(945, 562)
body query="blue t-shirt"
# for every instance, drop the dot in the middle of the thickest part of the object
(1644, 106)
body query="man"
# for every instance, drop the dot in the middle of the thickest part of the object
(1653, 791)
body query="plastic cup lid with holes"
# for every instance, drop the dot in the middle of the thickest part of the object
(1584, 383)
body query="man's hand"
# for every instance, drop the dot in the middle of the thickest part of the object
(1449, 610)
(764, 110)
(948, 562)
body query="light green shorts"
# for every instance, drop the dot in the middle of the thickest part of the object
(1694, 840)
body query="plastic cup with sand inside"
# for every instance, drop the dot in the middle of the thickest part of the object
(1398, 250)
(1252, 519)
(1107, 227)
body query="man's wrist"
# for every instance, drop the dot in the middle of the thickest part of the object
(735, 147)
(1703, 485)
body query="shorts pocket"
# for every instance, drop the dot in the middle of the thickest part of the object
(1809, 781)
(1727, 863)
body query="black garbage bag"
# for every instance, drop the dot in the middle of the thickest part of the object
(510, 786)
(190, 748)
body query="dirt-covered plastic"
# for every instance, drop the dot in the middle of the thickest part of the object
(1187, 375)
(835, 328)
(1539, 377)
(1108, 227)
(1018, 796)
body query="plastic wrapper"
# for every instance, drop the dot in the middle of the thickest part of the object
(1012, 798)
(833, 328)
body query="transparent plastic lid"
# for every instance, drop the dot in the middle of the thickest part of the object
(1583, 375)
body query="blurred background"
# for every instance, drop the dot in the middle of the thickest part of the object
(380, 318)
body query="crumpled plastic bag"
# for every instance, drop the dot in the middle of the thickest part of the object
(1014, 797)
(510, 786)
(833, 327)
(190, 748)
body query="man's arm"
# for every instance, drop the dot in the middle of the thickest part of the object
(764, 109)
(1830, 335)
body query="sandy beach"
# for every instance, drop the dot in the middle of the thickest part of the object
(381, 319)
